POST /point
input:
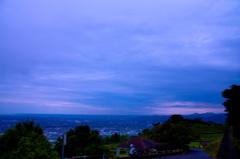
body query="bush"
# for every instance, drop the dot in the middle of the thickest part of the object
(212, 148)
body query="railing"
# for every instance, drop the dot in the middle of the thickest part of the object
(162, 153)
(149, 155)
(93, 157)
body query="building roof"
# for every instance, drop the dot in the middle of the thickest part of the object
(205, 143)
(140, 143)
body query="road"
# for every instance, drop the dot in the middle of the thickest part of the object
(192, 154)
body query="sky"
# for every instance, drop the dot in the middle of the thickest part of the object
(109, 57)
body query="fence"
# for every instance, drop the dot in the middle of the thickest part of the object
(93, 157)
(149, 155)
(161, 153)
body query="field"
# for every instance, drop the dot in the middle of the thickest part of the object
(211, 133)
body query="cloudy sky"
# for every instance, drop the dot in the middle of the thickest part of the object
(117, 57)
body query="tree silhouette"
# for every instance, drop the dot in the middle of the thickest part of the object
(26, 140)
(81, 141)
(232, 105)
(175, 131)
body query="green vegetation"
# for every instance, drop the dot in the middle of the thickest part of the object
(212, 148)
(211, 133)
(26, 141)
(232, 104)
(177, 131)
(82, 141)
(183, 133)
(112, 150)
(112, 141)
(208, 132)
(116, 138)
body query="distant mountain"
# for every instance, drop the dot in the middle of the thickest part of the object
(216, 118)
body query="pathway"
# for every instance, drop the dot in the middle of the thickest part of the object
(194, 153)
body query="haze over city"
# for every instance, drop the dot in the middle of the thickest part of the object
(118, 57)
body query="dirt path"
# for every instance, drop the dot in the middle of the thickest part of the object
(192, 154)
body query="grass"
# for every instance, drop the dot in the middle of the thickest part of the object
(212, 133)
(212, 148)
(195, 144)
(113, 147)
(209, 128)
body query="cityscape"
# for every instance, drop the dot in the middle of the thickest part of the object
(56, 125)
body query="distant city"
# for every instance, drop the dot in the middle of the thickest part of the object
(56, 125)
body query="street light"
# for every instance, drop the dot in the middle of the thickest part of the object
(64, 143)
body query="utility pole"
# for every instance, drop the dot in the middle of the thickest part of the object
(64, 143)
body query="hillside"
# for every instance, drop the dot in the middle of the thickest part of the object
(208, 132)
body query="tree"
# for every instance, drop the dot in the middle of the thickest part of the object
(125, 137)
(176, 131)
(81, 141)
(145, 133)
(115, 138)
(177, 135)
(232, 105)
(26, 140)
(176, 118)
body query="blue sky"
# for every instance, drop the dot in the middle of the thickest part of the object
(117, 57)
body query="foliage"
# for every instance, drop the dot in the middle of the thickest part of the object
(212, 148)
(116, 138)
(176, 131)
(175, 119)
(125, 138)
(112, 141)
(177, 135)
(25, 140)
(232, 105)
(146, 133)
(81, 141)
(208, 132)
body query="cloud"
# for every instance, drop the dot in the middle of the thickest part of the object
(49, 103)
(183, 111)
(184, 107)
(126, 54)
(187, 104)
(79, 76)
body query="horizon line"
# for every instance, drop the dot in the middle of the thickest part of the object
(113, 115)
